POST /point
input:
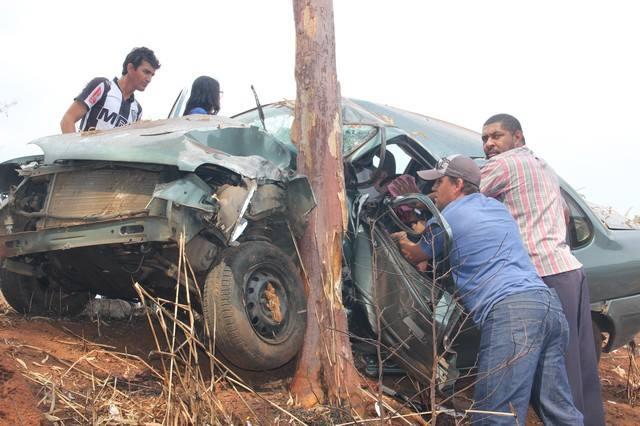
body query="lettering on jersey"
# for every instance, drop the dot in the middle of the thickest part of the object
(106, 116)
(121, 121)
(95, 95)
(112, 118)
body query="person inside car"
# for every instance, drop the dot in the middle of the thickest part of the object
(205, 96)
(373, 179)
(406, 184)
(523, 330)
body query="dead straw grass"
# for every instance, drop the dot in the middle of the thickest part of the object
(182, 390)
(633, 375)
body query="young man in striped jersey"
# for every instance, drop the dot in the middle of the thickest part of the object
(530, 190)
(105, 104)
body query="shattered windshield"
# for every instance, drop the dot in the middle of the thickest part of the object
(355, 135)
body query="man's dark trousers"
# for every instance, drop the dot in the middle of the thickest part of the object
(582, 364)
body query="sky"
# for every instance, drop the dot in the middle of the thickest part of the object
(570, 70)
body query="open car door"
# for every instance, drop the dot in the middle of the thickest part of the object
(414, 312)
(177, 110)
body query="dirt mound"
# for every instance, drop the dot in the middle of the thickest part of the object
(615, 369)
(17, 403)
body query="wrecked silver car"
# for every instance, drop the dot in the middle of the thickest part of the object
(100, 211)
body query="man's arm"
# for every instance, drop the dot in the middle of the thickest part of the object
(75, 112)
(565, 210)
(412, 251)
(494, 178)
(95, 90)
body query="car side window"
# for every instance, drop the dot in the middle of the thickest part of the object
(401, 157)
(579, 228)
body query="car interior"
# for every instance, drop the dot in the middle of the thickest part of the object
(370, 175)
(367, 182)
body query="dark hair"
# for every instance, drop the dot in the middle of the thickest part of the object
(205, 93)
(137, 55)
(508, 122)
(468, 188)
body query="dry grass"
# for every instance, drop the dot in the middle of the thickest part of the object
(633, 375)
(186, 383)
(73, 393)
(182, 390)
(191, 372)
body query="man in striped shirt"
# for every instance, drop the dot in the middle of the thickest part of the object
(530, 190)
(105, 104)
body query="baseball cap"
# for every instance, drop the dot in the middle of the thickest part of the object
(456, 166)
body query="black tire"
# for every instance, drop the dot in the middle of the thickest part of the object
(31, 296)
(248, 333)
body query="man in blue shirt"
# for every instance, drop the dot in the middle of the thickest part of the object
(523, 329)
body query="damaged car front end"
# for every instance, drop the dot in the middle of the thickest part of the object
(102, 210)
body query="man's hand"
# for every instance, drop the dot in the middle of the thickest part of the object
(422, 266)
(412, 251)
(399, 236)
(419, 227)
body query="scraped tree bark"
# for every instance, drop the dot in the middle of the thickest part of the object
(325, 368)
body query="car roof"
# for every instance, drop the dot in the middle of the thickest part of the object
(437, 137)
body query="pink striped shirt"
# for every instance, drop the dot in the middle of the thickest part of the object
(530, 190)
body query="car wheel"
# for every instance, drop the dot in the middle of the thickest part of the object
(255, 305)
(32, 296)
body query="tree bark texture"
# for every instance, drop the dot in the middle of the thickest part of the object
(325, 368)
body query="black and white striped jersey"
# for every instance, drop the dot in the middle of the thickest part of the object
(107, 109)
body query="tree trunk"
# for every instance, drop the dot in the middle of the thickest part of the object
(325, 368)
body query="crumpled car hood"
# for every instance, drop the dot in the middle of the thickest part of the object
(184, 142)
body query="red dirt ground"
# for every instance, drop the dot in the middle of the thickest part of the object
(37, 351)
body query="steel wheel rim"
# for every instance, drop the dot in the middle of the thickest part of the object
(263, 288)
